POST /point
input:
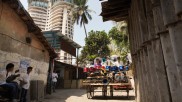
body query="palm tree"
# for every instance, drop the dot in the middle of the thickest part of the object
(120, 39)
(81, 13)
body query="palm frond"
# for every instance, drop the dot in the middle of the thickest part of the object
(83, 2)
(78, 19)
(90, 11)
(84, 17)
(83, 20)
(88, 15)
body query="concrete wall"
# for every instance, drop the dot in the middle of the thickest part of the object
(13, 46)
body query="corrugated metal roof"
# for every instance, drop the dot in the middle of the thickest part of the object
(116, 10)
(60, 41)
(57, 35)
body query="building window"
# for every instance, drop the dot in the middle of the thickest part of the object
(65, 58)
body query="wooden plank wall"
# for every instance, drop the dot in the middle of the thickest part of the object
(155, 33)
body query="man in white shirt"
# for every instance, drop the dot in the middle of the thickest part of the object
(26, 85)
(54, 80)
(11, 90)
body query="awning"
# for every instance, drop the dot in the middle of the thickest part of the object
(61, 42)
(58, 64)
(53, 39)
(66, 39)
(116, 10)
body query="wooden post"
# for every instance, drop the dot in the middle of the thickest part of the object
(145, 75)
(138, 87)
(158, 51)
(143, 34)
(168, 12)
(178, 7)
(174, 25)
(137, 94)
(171, 49)
(132, 37)
(77, 68)
(141, 83)
(172, 72)
(176, 36)
(161, 73)
(154, 84)
(153, 91)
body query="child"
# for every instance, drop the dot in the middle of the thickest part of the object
(54, 80)
(26, 85)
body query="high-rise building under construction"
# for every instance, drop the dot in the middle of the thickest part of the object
(53, 15)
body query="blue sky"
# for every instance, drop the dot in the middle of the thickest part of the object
(95, 24)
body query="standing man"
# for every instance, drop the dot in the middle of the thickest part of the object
(54, 80)
(26, 85)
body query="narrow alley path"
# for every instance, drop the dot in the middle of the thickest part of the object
(79, 95)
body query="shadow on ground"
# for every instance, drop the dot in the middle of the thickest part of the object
(62, 95)
(79, 95)
(114, 98)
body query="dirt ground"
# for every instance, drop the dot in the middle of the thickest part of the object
(79, 95)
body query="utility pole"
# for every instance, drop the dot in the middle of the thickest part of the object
(77, 68)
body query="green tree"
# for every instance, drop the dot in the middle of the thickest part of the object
(96, 45)
(81, 13)
(119, 38)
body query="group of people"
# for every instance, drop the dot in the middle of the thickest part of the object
(12, 83)
(114, 75)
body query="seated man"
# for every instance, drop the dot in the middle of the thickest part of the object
(10, 90)
(121, 77)
(118, 77)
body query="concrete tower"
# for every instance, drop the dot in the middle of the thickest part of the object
(38, 11)
(59, 17)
